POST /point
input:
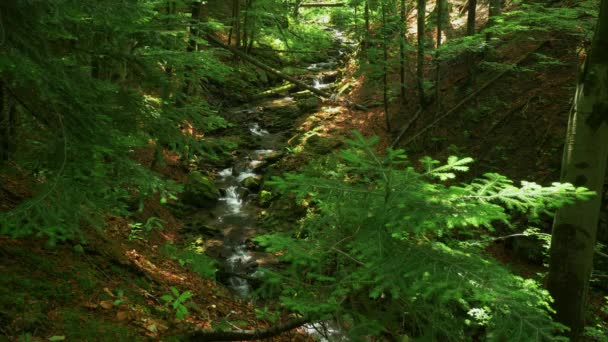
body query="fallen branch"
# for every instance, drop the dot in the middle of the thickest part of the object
(274, 71)
(275, 91)
(323, 4)
(406, 127)
(288, 51)
(248, 334)
(470, 97)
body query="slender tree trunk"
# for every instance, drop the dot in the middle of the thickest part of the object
(494, 11)
(440, 9)
(471, 20)
(367, 28)
(245, 29)
(420, 58)
(230, 31)
(7, 124)
(237, 24)
(251, 36)
(296, 9)
(584, 164)
(385, 67)
(471, 17)
(196, 13)
(402, 57)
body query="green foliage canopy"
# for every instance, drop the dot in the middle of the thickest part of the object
(373, 250)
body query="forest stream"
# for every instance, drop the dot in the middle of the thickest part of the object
(235, 215)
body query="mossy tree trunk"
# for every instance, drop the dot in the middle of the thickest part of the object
(584, 164)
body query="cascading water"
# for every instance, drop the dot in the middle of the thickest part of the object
(235, 215)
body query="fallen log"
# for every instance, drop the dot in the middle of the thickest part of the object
(406, 127)
(246, 335)
(323, 4)
(280, 90)
(247, 58)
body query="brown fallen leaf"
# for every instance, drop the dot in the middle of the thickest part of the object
(106, 304)
(124, 315)
(90, 305)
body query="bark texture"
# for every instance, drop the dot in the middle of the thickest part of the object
(584, 164)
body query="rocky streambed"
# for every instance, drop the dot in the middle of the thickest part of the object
(262, 130)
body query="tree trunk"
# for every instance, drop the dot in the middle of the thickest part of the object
(385, 67)
(296, 9)
(366, 16)
(237, 23)
(440, 9)
(245, 29)
(584, 164)
(471, 17)
(7, 124)
(494, 11)
(402, 57)
(323, 4)
(471, 20)
(196, 13)
(420, 59)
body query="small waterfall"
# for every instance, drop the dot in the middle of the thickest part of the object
(236, 261)
(318, 85)
(235, 217)
(233, 200)
(256, 130)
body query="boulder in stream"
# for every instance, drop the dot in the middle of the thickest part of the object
(200, 191)
(252, 183)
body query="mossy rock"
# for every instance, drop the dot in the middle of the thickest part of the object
(265, 198)
(319, 145)
(252, 183)
(309, 104)
(273, 157)
(200, 191)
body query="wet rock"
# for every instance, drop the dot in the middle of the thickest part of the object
(252, 183)
(272, 157)
(200, 191)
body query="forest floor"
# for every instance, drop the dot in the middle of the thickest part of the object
(112, 286)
